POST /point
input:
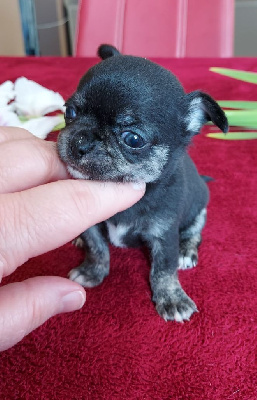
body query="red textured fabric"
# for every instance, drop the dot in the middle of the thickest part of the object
(117, 347)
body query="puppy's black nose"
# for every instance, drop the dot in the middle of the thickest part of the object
(79, 149)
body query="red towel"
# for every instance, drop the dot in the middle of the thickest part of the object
(117, 347)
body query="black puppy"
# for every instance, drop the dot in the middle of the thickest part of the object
(130, 120)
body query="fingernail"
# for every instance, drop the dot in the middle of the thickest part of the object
(73, 301)
(138, 185)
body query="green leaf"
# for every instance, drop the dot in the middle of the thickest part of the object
(243, 118)
(236, 74)
(247, 118)
(248, 105)
(22, 118)
(233, 135)
(59, 126)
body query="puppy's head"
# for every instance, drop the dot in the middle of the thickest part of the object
(130, 120)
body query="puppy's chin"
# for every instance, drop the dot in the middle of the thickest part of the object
(76, 174)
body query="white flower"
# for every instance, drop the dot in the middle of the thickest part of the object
(39, 127)
(9, 118)
(34, 100)
(6, 93)
(30, 100)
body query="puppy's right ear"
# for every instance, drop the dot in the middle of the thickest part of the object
(106, 50)
(201, 109)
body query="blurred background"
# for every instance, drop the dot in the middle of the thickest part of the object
(49, 27)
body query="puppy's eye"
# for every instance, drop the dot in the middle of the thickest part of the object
(133, 140)
(70, 113)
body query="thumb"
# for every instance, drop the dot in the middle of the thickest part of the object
(26, 305)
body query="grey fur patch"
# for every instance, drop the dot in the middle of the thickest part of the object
(196, 227)
(153, 167)
(116, 233)
(195, 116)
(147, 170)
(190, 240)
(159, 226)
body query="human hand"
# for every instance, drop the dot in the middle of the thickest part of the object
(40, 210)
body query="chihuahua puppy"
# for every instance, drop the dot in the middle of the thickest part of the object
(131, 121)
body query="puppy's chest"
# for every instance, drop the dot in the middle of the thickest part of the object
(136, 233)
(123, 234)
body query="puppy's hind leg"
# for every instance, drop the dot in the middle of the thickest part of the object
(96, 265)
(190, 240)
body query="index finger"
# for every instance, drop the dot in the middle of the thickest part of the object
(28, 162)
(46, 217)
(12, 133)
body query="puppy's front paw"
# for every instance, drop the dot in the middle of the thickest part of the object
(188, 255)
(78, 242)
(188, 260)
(175, 307)
(86, 276)
(188, 248)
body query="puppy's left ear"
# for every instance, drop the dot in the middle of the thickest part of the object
(106, 50)
(201, 109)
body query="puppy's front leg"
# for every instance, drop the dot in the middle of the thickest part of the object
(172, 303)
(96, 265)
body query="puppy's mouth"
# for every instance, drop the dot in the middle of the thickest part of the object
(98, 173)
(76, 173)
